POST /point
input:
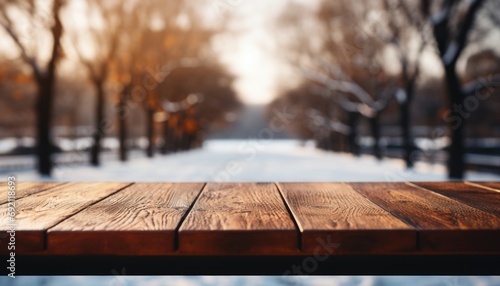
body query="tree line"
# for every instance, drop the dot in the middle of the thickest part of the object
(153, 57)
(358, 63)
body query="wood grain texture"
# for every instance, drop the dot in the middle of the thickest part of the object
(444, 225)
(252, 219)
(139, 220)
(236, 219)
(24, 189)
(492, 185)
(38, 212)
(477, 197)
(333, 213)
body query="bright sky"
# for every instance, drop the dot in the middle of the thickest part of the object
(252, 53)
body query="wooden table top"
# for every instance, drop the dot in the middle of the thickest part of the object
(254, 218)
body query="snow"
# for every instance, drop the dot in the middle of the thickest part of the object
(253, 160)
(7, 144)
(451, 53)
(251, 280)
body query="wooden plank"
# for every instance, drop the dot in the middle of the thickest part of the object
(236, 219)
(24, 189)
(333, 213)
(140, 220)
(495, 186)
(40, 211)
(477, 197)
(444, 225)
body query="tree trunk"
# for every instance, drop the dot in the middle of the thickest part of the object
(150, 131)
(44, 119)
(375, 126)
(334, 141)
(343, 142)
(122, 126)
(405, 129)
(166, 139)
(450, 50)
(178, 133)
(45, 98)
(456, 165)
(323, 141)
(170, 132)
(99, 122)
(353, 133)
(405, 125)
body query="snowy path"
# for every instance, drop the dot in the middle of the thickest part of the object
(252, 160)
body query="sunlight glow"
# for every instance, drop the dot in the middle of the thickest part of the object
(251, 52)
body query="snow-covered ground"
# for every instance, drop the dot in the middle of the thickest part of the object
(252, 281)
(254, 160)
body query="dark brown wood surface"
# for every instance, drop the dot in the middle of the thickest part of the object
(335, 214)
(443, 224)
(139, 220)
(474, 196)
(40, 211)
(238, 218)
(255, 219)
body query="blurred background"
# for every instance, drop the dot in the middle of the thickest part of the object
(232, 90)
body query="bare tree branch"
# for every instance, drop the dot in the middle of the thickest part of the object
(339, 86)
(455, 48)
(7, 25)
(481, 84)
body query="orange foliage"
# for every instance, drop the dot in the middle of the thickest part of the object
(173, 120)
(190, 126)
(21, 78)
(169, 41)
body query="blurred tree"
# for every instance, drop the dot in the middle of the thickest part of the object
(315, 116)
(17, 96)
(403, 27)
(172, 39)
(105, 37)
(127, 73)
(156, 43)
(18, 92)
(44, 75)
(196, 99)
(351, 64)
(350, 56)
(452, 21)
(71, 104)
(483, 67)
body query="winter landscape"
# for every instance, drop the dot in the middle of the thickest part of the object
(249, 91)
